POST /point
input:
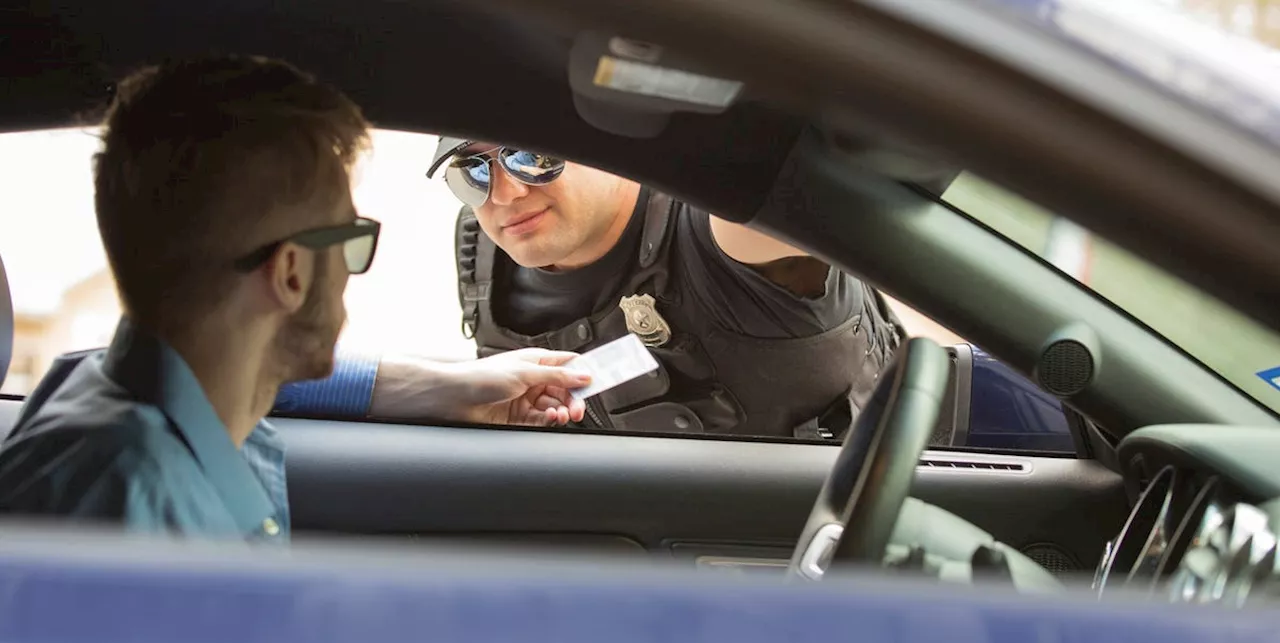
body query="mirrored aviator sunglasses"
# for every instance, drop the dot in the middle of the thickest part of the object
(470, 176)
(359, 241)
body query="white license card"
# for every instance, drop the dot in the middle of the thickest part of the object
(619, 361)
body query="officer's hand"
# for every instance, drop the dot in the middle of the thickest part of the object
(526, 386)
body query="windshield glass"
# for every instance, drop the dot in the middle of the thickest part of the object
(1234, 346)
(407, 310)
(1211, 53)
(64, 296)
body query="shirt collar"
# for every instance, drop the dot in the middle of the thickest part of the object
(266, 438)
(156, 374)
(264, 450)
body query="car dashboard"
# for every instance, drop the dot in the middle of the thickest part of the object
(1204, 527)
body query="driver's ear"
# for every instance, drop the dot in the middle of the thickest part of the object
(288, 276)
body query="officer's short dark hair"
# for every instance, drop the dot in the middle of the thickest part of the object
(202, 159)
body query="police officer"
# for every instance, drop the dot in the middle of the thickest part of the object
(753, 336)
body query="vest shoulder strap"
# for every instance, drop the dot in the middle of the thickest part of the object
(474, 253)
(657, 216)
(476, 257)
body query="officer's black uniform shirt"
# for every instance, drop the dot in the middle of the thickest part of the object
(736, 297)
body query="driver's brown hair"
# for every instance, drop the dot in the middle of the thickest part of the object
(204, 160)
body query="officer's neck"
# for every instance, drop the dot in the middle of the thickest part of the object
(600, 244)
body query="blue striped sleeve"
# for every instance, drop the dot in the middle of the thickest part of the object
(346, 393)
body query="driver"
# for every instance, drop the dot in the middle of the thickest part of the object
(754, 337)
(223, 197)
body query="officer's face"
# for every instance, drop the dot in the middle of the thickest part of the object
(565, 224)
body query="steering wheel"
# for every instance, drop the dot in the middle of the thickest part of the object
(859, 504)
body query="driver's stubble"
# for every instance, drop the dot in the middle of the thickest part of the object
(308, 338)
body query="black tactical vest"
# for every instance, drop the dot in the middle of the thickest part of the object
(709, 380)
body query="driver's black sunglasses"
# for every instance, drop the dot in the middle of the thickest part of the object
(359, 241)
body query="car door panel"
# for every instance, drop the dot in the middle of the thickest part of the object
(661, 492)
(695, 498)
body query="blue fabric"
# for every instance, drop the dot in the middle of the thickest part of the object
(129, 436)
(346, 393)
(155, 594)
(264, 451)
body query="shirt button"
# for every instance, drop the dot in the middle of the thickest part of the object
(271, 527)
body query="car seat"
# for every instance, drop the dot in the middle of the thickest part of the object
(6, 324)
(58, 370)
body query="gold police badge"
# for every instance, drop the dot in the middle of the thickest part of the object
(643, 320)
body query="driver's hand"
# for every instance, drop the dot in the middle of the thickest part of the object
(528, 386)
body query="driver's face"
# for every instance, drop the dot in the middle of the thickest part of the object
(307, 341)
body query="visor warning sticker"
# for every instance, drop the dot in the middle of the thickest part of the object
(661, 82)
(1272, 376)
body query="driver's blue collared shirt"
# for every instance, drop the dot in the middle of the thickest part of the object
(264, 451)
(346, 393)
(128, 435)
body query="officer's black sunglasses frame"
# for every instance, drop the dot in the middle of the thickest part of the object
(319, 239)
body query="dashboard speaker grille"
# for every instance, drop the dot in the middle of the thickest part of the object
(1065, 368)
(1053, 558)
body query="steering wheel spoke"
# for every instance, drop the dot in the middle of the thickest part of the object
(858, 506)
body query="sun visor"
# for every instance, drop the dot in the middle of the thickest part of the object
(631, 88)
(893, 159)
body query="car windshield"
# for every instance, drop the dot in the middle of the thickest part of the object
(1234, 346)
(1215, 54)
(66, 300)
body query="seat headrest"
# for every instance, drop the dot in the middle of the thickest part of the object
(6, 323)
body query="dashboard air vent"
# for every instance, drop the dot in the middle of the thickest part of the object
(939, 463)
